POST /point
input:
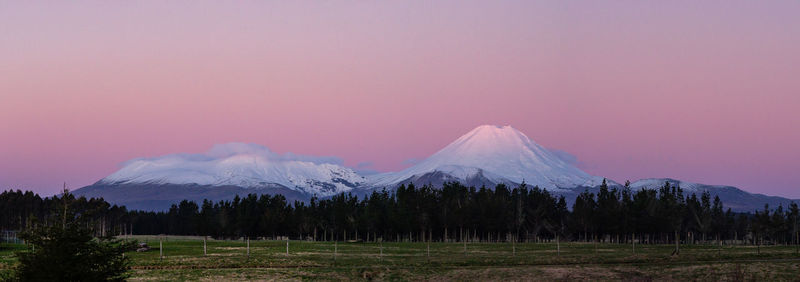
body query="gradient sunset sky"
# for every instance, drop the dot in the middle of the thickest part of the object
(702, 91)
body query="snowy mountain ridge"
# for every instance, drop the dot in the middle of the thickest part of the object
(656, 183)
(243, 165)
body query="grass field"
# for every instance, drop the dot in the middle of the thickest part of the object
(228, 260)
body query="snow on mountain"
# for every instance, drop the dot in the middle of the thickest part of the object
(242, 165)
(736, 199)
(498, 155)
(656, 183)
(487, 155)
(687, 187)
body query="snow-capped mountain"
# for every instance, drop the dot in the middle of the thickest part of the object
(240, 165)
(490, 155)
(487, 155)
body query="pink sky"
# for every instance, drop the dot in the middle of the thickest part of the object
(703, 91)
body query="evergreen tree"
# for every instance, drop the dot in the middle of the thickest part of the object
(70, 253)
(67, 250)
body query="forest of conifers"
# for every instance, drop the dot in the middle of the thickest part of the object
(450, 213)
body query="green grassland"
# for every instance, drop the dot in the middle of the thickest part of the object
(228, 260)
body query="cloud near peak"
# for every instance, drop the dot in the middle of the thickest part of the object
(228, 150)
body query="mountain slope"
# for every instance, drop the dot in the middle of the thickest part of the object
(732, 197)
(159, 197)
(492, 155)
(239, 165)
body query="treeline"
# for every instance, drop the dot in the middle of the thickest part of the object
(21, 211)
(452, 213)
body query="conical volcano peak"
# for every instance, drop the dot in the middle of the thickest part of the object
(493, 137)
(493, 127)
(493, 130)
(500, 154)
(495, 148)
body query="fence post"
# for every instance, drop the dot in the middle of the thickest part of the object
(161, 248)
(429, 250)
(248, 247)
(758, 248)
(513, 246)
(205, 248)
(335, 249)
(558, 246)
(381, 247)
(287, 246)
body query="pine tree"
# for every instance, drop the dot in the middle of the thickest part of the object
(68, 252)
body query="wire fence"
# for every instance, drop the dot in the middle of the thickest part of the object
(200, 251)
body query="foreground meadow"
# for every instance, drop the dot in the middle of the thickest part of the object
(184, 259)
